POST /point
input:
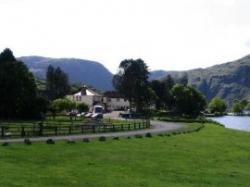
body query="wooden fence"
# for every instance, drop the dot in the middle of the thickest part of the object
(55, 130)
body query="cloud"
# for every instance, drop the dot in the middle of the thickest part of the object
(247, 43)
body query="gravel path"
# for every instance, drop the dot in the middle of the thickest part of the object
(157, 127)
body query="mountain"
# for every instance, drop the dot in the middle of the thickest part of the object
(157, 74)
(229, 81)
(79, 71)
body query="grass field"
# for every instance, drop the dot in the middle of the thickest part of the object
(214, 156)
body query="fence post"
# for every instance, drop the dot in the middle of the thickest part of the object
(22, 132)
(56, 130)
(40, 129)
(33, 130)
(2, 131)
(70, 129)
(148, 123)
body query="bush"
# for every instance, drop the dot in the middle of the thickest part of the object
(116, 138)
(5, 143)
(27, 141)
(50, 141)
(102, 138)
(128, 137)
(86, 140)
(138, 136)
(148, 135)
(160, 134)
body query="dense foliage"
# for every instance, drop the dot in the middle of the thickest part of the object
(57, 83)
(162, 89)
(217, 106)
(239, 106)
(132, 82)
(187, 101)
(18, 95)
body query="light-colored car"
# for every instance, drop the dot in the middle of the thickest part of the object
(81, 114)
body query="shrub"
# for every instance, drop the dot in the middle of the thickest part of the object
(27, 141)
(160, 134)
(116, 138)
(128, 137)
(50, 141)
(86, 140)
(102, 138)
(148, 135)
(168, 134)
(5, 143)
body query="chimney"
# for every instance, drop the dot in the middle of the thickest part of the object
(83, 91)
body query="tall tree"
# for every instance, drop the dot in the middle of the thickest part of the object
(162, 91)
(57, 83)
(18, 94)
(187, 101)
(167, 98)
(132, 82)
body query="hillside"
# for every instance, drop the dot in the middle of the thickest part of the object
(229, 80)
(79, 71)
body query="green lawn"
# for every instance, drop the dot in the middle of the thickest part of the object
(214, 156)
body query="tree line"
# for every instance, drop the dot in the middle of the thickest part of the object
(19, 96)
(132, 81)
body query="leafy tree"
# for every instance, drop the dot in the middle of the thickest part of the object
(187, 101)
(63, 104)
(159, 89)
(57, 83)
(167, 97)
(162, 91)
(237, 108)
(248, 106)
(244, 103)
(82, 107)
(59, 105)
(18, 95)
(217, 105)
(132, 82)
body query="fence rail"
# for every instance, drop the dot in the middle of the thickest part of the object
(55, 130)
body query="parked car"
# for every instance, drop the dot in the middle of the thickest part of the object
(88, 115)
(81, 114)
(97, 116)
(97, 112)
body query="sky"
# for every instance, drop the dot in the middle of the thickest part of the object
(166, 34)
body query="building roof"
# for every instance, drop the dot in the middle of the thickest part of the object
(86, 92)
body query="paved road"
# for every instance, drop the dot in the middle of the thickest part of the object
(157, 127)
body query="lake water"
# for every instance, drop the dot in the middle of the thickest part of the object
(234, 122)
